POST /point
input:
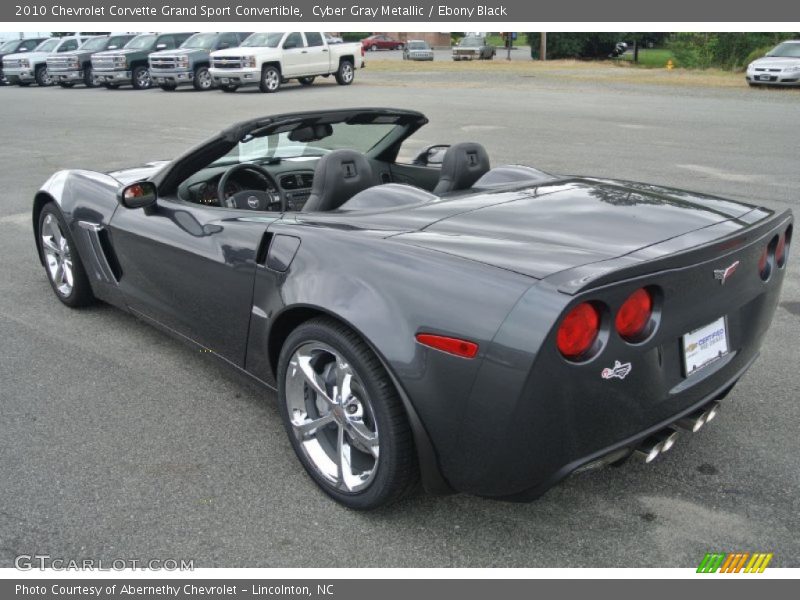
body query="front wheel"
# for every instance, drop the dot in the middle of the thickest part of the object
(88, 77)
(42, 77)
(202, 79)
(374, 48)
(63, 265)
(141, 78)
(270, 80)
(343, 416)
(346, 73)
(306, 81)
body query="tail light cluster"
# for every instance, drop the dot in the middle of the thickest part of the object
(578, 335)
(775, 253)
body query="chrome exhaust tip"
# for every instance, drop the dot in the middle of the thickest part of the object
(712, 411)
(693, 422)
(667, 439)
(648, 450)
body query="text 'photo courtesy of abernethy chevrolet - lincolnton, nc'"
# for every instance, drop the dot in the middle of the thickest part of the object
(440, 320)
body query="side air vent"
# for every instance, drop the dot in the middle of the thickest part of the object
(289, 182)
(306, 179)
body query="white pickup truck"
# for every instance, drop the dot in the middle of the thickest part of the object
(270, 59)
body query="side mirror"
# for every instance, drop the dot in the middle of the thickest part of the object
(289, 45)
(161, 46)
(138, 195)
(432, 155)
(112, 47)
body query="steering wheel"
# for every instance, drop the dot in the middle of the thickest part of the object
(250, 199)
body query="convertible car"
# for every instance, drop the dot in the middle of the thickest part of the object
(481, 330)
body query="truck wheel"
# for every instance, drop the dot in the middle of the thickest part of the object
(41, 76)
(140, 78)
(345, 74)
(229, 88)
(202, 79)
(306, 81)
(88, 77)
(270, 80)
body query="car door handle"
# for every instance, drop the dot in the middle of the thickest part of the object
(324, 49)
(304, 52)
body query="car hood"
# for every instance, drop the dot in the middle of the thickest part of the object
(244, 50)
(179, 52)
(538, 231)
(126, 176)
(28, 55)
(121, 52)
(776, 62)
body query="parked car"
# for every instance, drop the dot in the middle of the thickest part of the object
(417, 50)
(16, 47)
(270, 59)
(490, 329)
(381, 42)
(333, 39)
(781, 66)
(189, 63)
(129, 65)
(474, 47)
(26, 67)
(73, 67)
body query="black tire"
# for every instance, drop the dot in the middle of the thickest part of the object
(374, 48)
(346, 73)
(66, 84)
(168, 87)
(396, 471)
(88, 77)
(270, 79)
(306, 81)
(81, 292)
(140, 79)
(229, 88)
(202, 80)
(42, 80)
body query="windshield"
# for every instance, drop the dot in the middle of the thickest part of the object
(359, 137)
(48, 45)
(141, 41)
(785, 50)
(417, 46)
(9, 46)
(471, 42)
(97, 43)
(203, 41)
(267, 40)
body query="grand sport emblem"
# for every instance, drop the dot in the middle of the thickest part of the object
(619, 370)
(722, 274)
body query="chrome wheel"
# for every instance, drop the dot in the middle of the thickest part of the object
(142, 78)
(347, 72)
(271, 79)
(203, 78)
(331, 417)
(58, 257)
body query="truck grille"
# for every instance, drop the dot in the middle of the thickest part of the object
(768, 70)
(163, 62)
(58, 63)
(102, 63)
(10, 64)
(228, 62)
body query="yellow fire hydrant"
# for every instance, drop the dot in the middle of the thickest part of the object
(670, 66)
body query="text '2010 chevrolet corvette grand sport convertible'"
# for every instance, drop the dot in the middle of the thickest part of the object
(488, 330)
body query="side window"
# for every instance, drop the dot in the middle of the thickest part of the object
(27, 46)
(68, 45)
(165, 42)
(228, 40)
(117, 42)
(294, 38)
(181, 37)
(313, 38)
(243, 36)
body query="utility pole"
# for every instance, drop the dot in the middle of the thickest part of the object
(543, 46)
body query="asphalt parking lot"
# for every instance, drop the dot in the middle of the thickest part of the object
(119, 442)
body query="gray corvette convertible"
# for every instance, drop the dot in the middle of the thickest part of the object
(482, 330)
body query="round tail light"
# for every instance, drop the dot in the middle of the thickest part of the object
(634, 315)
(578, 331)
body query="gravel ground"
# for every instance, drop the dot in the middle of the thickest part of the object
(119, 442)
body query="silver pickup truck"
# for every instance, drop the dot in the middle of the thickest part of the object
(189, 63)
(73, 67)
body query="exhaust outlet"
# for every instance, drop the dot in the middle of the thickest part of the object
(648, 450)
(695, 421)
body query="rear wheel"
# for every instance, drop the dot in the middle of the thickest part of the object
(346, 73)
(61, 260)
(374, 48)
(343, 416)
(270, 80)
(88, 77)
(202, 79)
(42, 77)
(306, 81)
(141, 78)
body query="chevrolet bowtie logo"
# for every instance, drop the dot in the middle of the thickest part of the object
(723, 274)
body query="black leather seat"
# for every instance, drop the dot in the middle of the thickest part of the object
(339, 176)
(462, 166)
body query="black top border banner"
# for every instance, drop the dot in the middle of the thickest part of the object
(420, 11)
